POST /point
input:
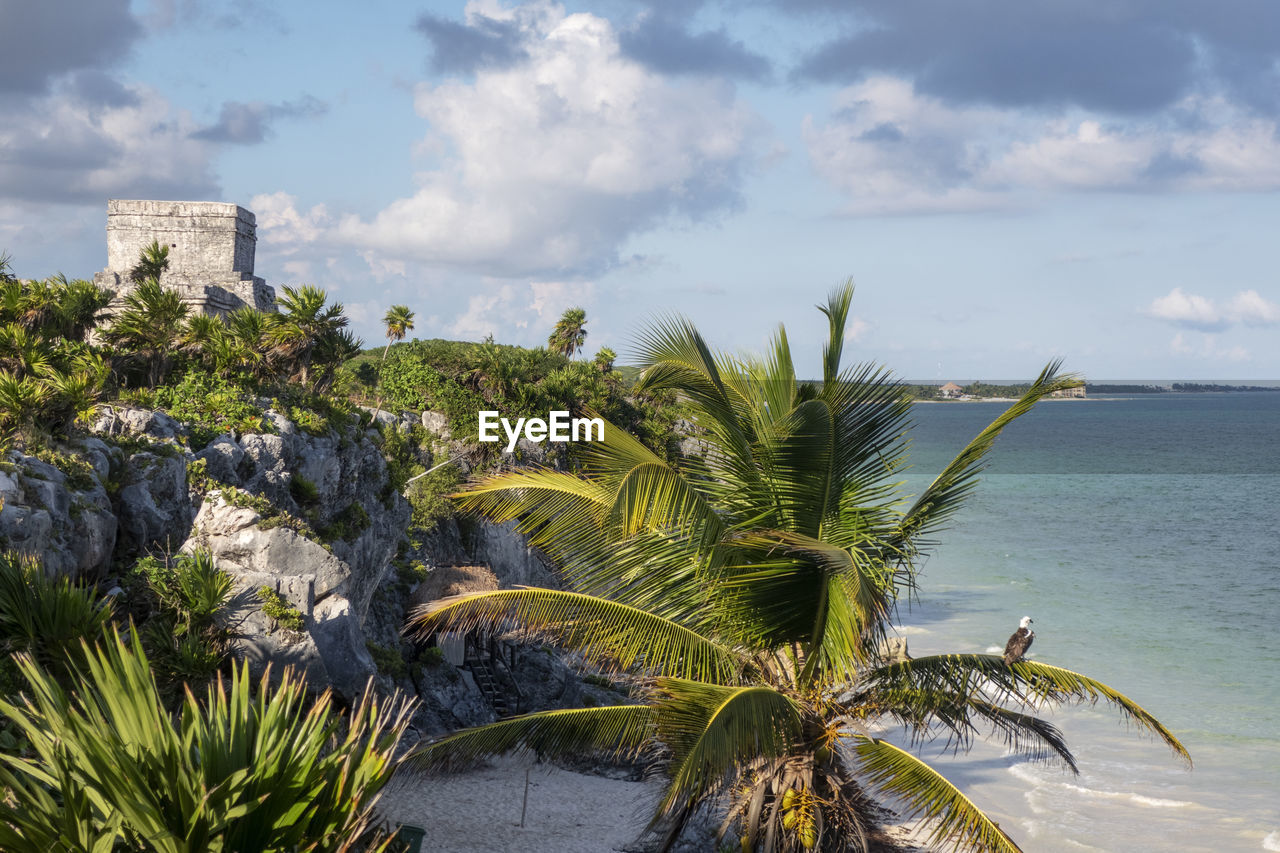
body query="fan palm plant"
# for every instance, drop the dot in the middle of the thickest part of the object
(748, 592)
(247, 767)
(304, 324)
(148, 327)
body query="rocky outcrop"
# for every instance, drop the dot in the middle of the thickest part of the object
(64, 520)
(339, 485)
(508, 554)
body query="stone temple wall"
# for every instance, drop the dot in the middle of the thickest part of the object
(211, 250)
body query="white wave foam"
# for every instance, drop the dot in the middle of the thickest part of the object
(995, 650)
(1025, 773)
(1272, 841)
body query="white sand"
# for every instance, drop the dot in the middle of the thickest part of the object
(480, 810)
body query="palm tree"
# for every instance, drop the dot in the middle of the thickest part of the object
(569, 334)
(153, 263)
(79, 308)
(747, 593)
(399, 322)
(147, 328)
(304, 321)
(604, 360)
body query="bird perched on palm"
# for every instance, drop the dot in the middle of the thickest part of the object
(1019, 642)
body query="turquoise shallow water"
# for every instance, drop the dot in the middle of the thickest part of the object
(1141, 535)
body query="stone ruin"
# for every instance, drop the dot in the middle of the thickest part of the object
(211, 248)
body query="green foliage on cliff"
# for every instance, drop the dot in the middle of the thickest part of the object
(459, 379)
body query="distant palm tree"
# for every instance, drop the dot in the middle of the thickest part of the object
(744, 596)
(604, 359)
(399, 322)
(79, 308)
(569, 334)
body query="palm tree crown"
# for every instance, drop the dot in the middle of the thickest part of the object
(570, 333)
(748, 591)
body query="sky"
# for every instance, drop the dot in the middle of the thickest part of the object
(1005, 181)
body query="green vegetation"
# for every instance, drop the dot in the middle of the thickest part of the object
(46, 618)
(459, 379)
(746, 595)
(281, 612)
(206, 371)
(183, 595)
(390, 661)
(245, 767)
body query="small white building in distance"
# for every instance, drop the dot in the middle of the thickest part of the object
(950, 391)
(211, 248)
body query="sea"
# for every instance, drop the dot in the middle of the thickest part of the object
(1142, 535)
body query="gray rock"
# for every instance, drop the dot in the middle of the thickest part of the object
(381, 416)
(154, 506)
(222, 458)
(437, 424)
(509, 555)
(70, 529)
(127, 420)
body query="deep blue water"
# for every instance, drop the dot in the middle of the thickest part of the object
(1141, 535)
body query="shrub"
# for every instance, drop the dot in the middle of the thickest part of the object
(390, 661)
(210, 406)
(304, 491)
(246, 767)
(280, 611)
(429, 496)
(186, 594)
(80, 474)
(47, 618)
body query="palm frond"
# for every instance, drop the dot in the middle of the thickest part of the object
(605, 632)
(837, 312)
(1031, 683)
(955, 819)
(789, 587)
(713, 730)
(621, 730)
(942, 498)
(927, 713)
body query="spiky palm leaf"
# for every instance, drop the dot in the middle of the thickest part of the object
(953, 817)
(605, 632)
(1029, 683)
(621, 731)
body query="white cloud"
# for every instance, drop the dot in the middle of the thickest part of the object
(1187, 309)
(1248, 307)
(857, 329)
(1192, 311)
(60, 148)
(893, 150)
(532, 308)
(280, 221)
(551, 164)
(1207, 348)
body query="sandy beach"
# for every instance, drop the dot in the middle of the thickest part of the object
(480, 810)
(568, 812)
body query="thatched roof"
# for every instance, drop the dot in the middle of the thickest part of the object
(443, 581)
